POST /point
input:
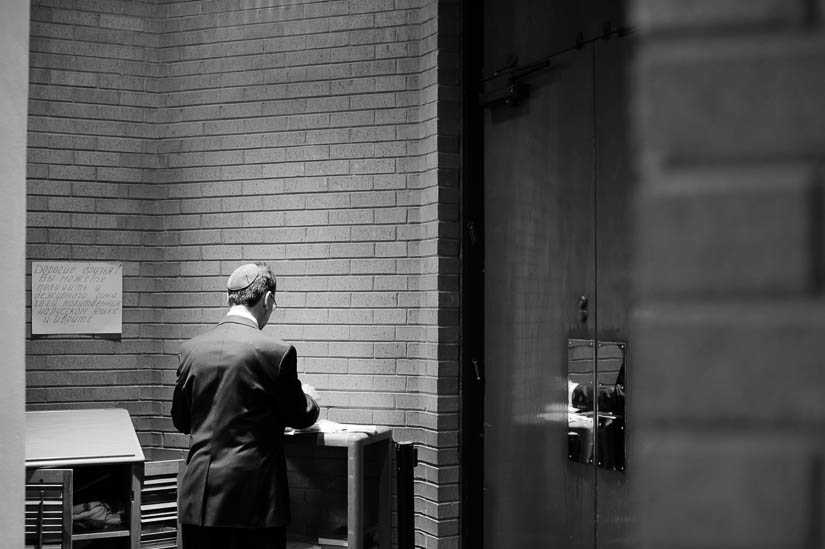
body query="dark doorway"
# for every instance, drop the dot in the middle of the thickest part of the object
(546, 259)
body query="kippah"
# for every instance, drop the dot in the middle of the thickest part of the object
(242, 277)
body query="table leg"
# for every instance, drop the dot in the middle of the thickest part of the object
(355, 495)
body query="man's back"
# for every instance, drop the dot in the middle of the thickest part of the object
(237, 390)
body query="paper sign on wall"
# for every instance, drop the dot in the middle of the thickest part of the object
(77, 298)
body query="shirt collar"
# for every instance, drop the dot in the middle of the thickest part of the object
(240, 310)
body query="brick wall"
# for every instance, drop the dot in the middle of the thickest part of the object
(185, 138)
(90, 193)
(731, 131)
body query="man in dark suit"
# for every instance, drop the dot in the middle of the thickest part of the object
(237, 389)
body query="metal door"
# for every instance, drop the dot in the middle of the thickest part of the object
(556, 186)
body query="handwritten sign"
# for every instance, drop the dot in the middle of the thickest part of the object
(77, 298)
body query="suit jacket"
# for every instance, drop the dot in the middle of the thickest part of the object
(236, 391)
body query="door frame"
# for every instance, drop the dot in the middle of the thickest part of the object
(471, 350)
(471, 347)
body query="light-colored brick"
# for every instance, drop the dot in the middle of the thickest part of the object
(352, 250)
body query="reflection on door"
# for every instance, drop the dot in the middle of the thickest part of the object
(596, 427)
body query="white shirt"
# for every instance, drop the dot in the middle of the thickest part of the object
(240, 310)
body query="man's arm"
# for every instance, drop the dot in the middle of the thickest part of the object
(181, 413)
(298, 409)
